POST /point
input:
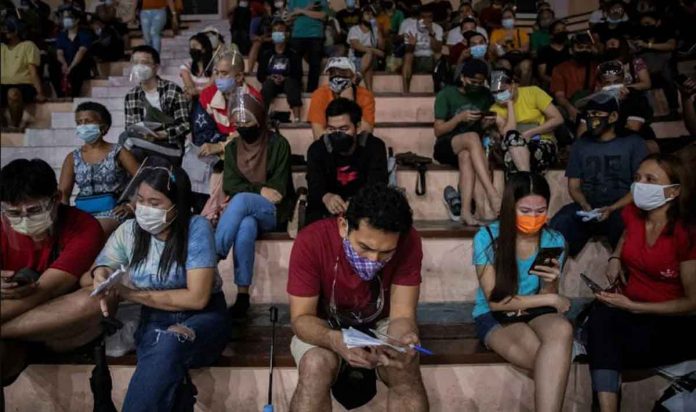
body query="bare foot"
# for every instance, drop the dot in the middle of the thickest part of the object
(496, 202)
(469, 220)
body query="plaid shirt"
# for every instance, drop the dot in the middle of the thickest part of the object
(173, 102)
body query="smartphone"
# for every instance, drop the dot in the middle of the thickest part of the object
(594, 287)
(490, 114)
(25, 276)
(546, 255)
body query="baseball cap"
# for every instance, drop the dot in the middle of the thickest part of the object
(341, 63)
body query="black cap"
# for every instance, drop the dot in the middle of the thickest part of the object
(472, 33)
(474, 67)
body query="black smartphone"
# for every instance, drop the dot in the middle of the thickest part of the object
(594, 287)
(546, 255)
(25, 276)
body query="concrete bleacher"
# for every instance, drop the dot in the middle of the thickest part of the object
(462, 376)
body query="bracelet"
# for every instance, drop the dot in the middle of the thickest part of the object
(613, 257)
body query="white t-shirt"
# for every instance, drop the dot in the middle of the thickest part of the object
(368, 39)
(455, 36)
(201, 82)
(423, 48)
(153, 98)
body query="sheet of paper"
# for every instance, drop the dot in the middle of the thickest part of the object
(144, 128)
(112, 280)
(198, 168)
(354, 338)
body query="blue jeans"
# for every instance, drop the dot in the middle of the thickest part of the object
(164, 356)
(152, 23)
(577, 233)
(240, 224)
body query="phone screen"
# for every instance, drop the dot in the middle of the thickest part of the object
(546, 255)
(594, 287)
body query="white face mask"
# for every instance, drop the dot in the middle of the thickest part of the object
(151, 219)
(649, 196)
(142, 72)
(36, 225)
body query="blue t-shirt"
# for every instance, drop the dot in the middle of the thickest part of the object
(84, 39)
(606, 168)
(201, 254)
(307, 27)
(527, 284)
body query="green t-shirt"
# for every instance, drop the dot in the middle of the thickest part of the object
(307, 27)
(539, 39)
(451, 101)
(396, 19)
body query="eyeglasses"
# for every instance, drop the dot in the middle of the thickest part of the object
(31, 212)
(360, 314)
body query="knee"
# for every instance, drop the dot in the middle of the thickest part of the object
(464, 157)
(14, 95)
(247, 230)
(525, 66)
(318, 366)
(562, 331)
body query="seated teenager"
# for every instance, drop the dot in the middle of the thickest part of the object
(342, 77)
(459, 123)
(172, 272)
(156, 100)
(473, 46)
(108, 45)
(645, 321)
(518, 310)
(423, 40)
(280, 71)
(534, 117)
(366, 45)
(198, 73)
(554, 54)
(600, 172)
(512, 47)
(342, 161)
(541, 36)
(45, 248)
(72, 52)
(615, 23)
(359, 270)
(100, 169)
(258, 181)
(575, 79)
(636, 74)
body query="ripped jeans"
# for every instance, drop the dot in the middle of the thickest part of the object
(165, 356)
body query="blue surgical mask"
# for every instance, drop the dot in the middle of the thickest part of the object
(68, 23)
(225, 84)
(614, 21)
(478, 51)
(503, 97)
(88, 132)
(508, 23)
(278, 37)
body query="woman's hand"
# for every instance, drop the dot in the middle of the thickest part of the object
(547, 273)
(100, 274)
(210, 149)
(614, 272)
(616, 300)
(123, 211)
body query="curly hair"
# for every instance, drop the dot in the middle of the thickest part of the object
(97, 108)
(382, 207)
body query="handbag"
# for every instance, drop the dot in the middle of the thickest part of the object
(420, 163)
(522, 316)
(96, 203)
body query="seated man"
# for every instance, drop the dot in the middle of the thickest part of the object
(45, 247)
(362, 270)
(600, 173)
(423, 40)
(342, 161)
(280, 71)
(342, 79)
(473, 46)
(157, 100)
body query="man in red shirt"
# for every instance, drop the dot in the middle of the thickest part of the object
(361, 270)
(56, 242)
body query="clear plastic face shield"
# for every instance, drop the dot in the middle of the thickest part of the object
(131, 190)
(240, 112)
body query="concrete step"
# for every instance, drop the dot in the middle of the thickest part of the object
(54, 388)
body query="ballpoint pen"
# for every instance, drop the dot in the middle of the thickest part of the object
(417, 348)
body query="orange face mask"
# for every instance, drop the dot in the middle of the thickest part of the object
(530, 225)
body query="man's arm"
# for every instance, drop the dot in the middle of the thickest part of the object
(307, 326)
(176, 133)
(53, 283)
(575, 190)
(402, 312)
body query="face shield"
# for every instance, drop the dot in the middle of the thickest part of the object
(240, 109)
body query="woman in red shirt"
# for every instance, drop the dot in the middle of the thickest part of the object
(646, 320)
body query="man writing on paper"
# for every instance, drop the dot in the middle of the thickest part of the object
(361, 270)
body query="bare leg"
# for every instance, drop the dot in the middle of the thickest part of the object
(472, 143)
(552, 360)
(366, 65)
(297, 113)
(317, 370)
(608, 401)
(467, 180)
(64, 317)
(406, 390)
(407, 72)
(517, 343)
(243, 289)
(520, 157)
(253, 55)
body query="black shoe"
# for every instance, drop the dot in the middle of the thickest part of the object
(240, 307)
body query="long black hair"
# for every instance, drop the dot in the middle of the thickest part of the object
(204, 41)
(174, 183)
(520, 185)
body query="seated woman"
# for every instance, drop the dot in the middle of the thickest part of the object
(99, 168)
(512, 47)
(172, 273)
(258, 181)
(366, 45)
(197, 74)
(72, 51)
(644, 320)
(533, 147)
(518, 311)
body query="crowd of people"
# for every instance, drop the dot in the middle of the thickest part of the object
(200, 171)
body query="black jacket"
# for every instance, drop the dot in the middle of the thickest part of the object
(294, 61)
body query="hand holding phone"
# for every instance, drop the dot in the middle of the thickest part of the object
(594, 287)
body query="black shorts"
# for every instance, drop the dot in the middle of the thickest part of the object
(443, 152)
(28, 92)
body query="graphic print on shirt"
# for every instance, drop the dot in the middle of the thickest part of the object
(345, 175)
(604, 171)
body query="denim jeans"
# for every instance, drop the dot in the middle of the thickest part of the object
(152, 23)
(577, 233)
(164, 356)
(314, 48)
(240, 224)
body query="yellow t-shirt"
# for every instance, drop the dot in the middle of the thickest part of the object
(16, 61)
(529, 108)
(519, 37)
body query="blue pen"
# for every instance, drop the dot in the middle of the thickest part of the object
(417, 348)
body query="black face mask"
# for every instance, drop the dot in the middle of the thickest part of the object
(612, 53)
(598, 129)
(583, 57)
(196, 54)
(474, 88)
(249, 134)
(341, 142)
(561, 37)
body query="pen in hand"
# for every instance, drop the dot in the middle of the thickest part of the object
(417, 348)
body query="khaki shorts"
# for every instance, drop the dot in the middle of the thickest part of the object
(298, 348)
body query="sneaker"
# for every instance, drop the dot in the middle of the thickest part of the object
(453, 203)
